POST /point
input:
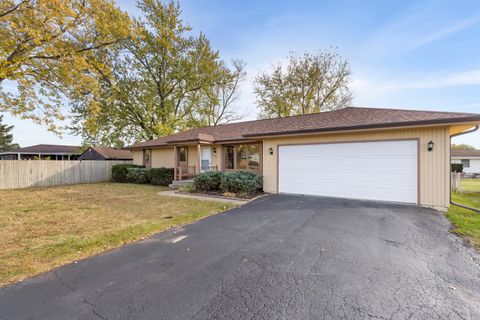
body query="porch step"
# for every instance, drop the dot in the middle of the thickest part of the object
(177, 183)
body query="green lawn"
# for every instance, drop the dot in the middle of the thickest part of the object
(44, 228)
(467, 222)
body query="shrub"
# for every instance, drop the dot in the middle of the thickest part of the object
(138, 175)
(119, 171)
(208, 181)
(185, 188)
(161, 176)
(457, 167)
(241, 182)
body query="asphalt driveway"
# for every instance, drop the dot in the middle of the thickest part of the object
(280, 257)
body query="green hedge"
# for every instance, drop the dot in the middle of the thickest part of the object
(138, 175)
(457, 167)
(120, 171)
(208, 181)
(161, 176)
(240, 182)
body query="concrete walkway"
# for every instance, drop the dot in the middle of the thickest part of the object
(173, 193)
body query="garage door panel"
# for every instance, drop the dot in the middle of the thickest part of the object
(384, 170)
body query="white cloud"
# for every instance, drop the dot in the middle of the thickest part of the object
(444, 32)
(420, 25)
(420, 81)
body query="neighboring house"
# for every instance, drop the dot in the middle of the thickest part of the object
(469, 158)
(106, 153)
(361, 153)
(43, 152)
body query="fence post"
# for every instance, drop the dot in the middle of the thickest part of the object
(455, 181)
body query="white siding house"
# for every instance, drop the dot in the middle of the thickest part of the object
(469, 158)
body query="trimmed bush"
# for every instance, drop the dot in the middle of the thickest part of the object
(138, 175)
(457, 167)
(208, 181)
(241, 182)
(161, 176)
(119, 171)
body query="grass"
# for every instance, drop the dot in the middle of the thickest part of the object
(467, 222)
(44, 228)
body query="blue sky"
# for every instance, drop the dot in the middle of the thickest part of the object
(404, 54)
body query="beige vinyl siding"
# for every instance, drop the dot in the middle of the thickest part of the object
(216, 155)
(138, 156)
(192, 155)
(163, 157)
(433, 166)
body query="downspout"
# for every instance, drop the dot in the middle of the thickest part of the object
(451, 202)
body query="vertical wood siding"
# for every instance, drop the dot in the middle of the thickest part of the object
(17, 174)
(433, 166)
(216, 155)
(138, 157)
(163, 157)
(192, 155)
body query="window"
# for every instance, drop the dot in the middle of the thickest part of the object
(466, 163)
(229, 154)
(182, 154)
(205, 165)
(146, 158)
(242, 157)
(254, 157)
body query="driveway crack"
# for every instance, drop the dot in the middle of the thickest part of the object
(63, 283)
(93, 308)
(84, 299)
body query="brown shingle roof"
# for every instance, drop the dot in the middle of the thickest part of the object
(460, 153)
(337, 120)
(49, 149)
(114, 153)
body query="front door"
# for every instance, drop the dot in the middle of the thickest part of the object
(206, 158)
(183, 158)
(147, 158)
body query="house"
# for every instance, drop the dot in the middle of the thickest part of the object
(469, 158)
(43, 152)
(361, 153)
(106, 153)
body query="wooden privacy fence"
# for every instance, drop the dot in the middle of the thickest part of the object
(16, 174)
(455, 180)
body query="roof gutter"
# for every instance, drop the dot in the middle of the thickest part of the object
(451, 202)
(388, 125)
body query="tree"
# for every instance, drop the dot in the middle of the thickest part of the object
(215, 106)
(6, 138)
(463, 146)
(47, 53)
(165, 80)
(307, 84)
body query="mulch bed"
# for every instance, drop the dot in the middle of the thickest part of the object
(216, 194)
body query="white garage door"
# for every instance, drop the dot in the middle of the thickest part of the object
(385, 170)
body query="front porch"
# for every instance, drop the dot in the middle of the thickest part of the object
(189, 172)
(192, 159)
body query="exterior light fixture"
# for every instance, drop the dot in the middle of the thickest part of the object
(270, 150)
(214, 150)
(430, 145)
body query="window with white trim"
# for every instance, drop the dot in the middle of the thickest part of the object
(466, 163)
